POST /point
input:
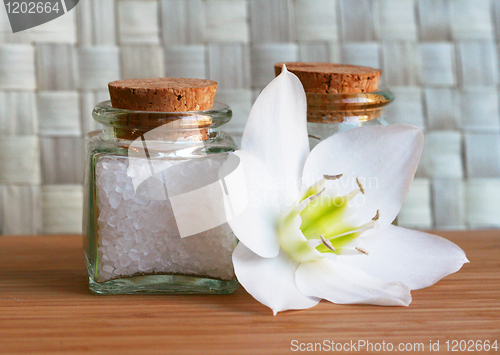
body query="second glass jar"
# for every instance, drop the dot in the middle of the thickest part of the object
(328, 114)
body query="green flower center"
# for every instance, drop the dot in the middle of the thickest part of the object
(317, 224)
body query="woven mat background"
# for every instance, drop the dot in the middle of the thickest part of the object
(439, 57)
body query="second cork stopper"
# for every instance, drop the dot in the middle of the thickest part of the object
(163, 94)
(333, 78)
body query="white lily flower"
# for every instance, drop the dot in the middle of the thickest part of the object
(318, 225)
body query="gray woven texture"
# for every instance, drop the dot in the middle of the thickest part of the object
(440, 58)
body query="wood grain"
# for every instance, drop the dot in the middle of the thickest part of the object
(45, 307)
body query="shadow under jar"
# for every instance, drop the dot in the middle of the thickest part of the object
(152, 224)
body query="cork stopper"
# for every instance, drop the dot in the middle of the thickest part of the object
(163, 98)
(333, 78)
(163, 94)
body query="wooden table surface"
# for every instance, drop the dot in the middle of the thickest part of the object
(45, 307)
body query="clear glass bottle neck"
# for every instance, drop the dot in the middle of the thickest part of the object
(346, 107)
(328, 114)
(196, 126)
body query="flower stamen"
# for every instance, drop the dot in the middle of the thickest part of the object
(327, 243)
(358, 230)
(303, 204)
(360, 186)
(351, 195)
(332, 177)
(361, 250)
(372, 224)
(351, 251)
(315, 196)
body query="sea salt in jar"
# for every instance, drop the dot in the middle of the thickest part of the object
(156, 190)
(339, 97)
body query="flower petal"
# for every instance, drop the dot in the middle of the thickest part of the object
(276, 132)
(271, 281)
(383, 158)
(341, 283)
(256, 226)
(414, 258)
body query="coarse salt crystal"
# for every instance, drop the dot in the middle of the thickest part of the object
(139, 235)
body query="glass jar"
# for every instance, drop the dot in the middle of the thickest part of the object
(153, 215)
(328, 114)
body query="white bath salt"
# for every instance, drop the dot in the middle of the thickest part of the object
(137, 226)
